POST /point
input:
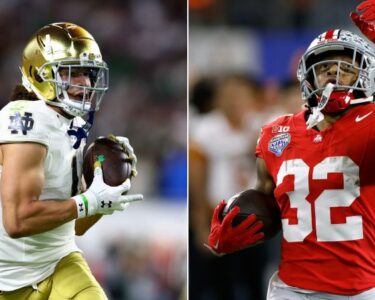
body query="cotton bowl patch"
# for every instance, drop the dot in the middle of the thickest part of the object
(278, 143)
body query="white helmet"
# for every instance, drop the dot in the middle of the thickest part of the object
(341, 96)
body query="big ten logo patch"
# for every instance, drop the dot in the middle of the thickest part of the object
(21, 123)
(280, 129)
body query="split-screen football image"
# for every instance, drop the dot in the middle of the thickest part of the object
(187, 150)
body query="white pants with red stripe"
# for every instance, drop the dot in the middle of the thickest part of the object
(278, 290)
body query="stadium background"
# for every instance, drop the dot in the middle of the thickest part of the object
(256, 44)
(141, 253)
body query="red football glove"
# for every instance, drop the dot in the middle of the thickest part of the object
(366, 20)
(224, 238)
(367, 9)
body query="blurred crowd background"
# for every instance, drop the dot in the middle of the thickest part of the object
(141, 253)
(243, 57)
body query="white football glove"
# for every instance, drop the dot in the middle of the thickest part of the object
(101, 198)
(124, 142)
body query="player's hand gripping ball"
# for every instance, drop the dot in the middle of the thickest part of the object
(115, 161)
(263, 206)
(248, 219)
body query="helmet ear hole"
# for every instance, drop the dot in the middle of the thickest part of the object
(37, 77)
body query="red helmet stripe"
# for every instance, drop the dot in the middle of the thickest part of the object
(329, 34)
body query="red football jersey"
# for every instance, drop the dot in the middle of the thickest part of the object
(325, 187)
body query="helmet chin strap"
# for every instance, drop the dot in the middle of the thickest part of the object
(362, 100)
(316, 116)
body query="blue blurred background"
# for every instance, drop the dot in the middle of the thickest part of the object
(243, 57)
(141, 253)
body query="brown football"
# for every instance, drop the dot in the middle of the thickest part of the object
(116, 164)
(263, 206)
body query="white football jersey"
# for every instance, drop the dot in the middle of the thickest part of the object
(28, 260)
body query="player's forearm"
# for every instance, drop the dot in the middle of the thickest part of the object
(84, 224)
(37, 216)
(264, 182)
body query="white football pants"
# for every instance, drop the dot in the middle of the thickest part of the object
(278, 290)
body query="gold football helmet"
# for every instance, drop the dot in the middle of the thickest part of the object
(64, 47)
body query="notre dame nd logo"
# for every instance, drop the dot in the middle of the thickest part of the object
(21, 123)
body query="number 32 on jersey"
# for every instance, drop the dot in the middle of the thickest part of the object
(352, 229)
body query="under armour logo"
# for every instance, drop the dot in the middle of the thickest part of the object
(104, 204)
(23, 123)
(81, 207)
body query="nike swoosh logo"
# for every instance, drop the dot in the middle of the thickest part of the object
(359, 119)
(216, 246)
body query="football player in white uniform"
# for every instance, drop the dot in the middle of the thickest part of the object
(41, 146)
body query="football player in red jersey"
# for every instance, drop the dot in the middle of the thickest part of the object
(320, 169)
